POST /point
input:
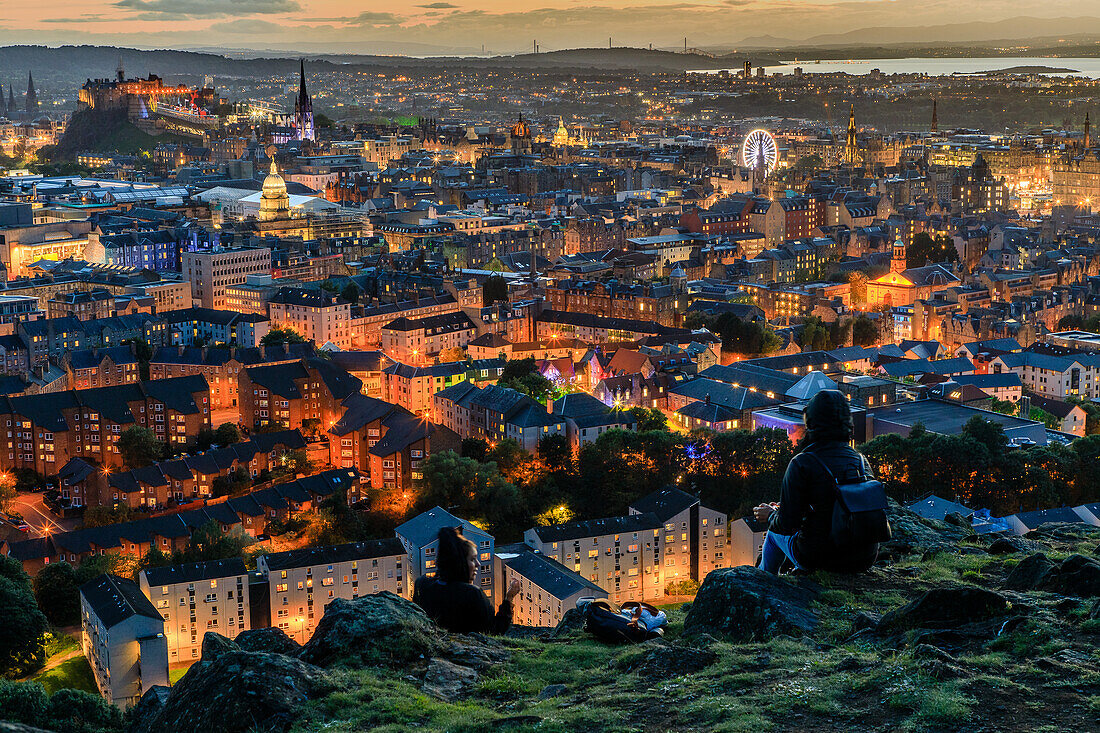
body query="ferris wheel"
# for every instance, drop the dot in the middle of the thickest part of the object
(759, 147)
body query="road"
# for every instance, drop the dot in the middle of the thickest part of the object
(41, 519)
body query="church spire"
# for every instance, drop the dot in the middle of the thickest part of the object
(935, 117)
(1088, 130)
(32, 98)
(851, 146)
(303, 108)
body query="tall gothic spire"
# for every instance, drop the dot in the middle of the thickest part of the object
(851, 146)
(32, 98)
(303, 109)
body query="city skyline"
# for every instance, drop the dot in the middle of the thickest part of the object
(463, 26)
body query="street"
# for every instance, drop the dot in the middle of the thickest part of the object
(41, 519)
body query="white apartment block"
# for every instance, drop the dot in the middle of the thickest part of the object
(122, 635)
(420, 538)
(1076, 375)
(210, 271)
(696, 538)
(547, 588)
(622, 555)
(196, 598)
(301, 583)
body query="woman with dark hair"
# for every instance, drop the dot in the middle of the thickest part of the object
(450, 597)
(800, 524)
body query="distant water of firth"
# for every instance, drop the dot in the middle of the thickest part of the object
(1087, 67)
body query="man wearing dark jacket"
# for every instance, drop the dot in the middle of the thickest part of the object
(800, 525)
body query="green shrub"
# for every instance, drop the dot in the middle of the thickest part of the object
(76, 711)
(22, 702)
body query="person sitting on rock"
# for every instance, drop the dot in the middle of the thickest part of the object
(451, 599)
(800, 525)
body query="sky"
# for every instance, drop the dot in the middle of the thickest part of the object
(503, 26)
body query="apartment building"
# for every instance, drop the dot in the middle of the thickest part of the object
(45, 431)
(301, 583)
(82, 305)
(1072, 375)
(548, 589)
(622, 555)
(420, 538)
(291, 394)
(494, 413)
(419, 340)
(383, 440)
(367, 366)
(201, 326)
(319, 316)
(122, 636)
(414, 387)
(221, 366)
(210, 271)
(696, 539)
(196, 598)
(101, 367)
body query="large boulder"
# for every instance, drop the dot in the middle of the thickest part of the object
(145, 712)
(946, 608)
(381, 629)
(914, 534)
(1078, 575)
(214, 645)
(1030, 573)
(449, 681)
(748, 604)
(270, 639)
(1012, 545)
(240, 692)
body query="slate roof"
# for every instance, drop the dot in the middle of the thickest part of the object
(329, 555)
(115, 599)
(665, 503)
(550, 575)
(423, 529)
(646, 521)
(191, 572)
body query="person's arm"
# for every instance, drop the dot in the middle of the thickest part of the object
(503, 619)
(787, 519)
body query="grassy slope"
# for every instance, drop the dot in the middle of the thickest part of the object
(817, 684)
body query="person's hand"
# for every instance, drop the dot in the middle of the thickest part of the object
(513, 590)
(764, 512)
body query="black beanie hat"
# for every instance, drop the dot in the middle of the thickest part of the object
(828, 416)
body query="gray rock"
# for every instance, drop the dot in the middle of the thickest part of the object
(214, 645)
(571, 624)
(448, 681)
(865, 620)
(665, 661)
(148, 708)
(748, 604)
(946, 607)
(7, 727)
(914, 534)
(552, 691)
(1012, 545)
(270, 639)
(381, 629)
(1078, 575)
(1030, 573)
(240, 692)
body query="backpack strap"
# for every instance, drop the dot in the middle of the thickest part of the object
(836, 484)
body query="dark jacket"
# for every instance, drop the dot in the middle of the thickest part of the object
(460, 607)
(806, 504)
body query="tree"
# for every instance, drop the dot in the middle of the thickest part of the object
(23, 702)
(649, 418)
(297, 461)
(925, 249)
(475, 448)
(22, 649)
(227, 434)
(279, 335)
(100, 516)
(210, 542)
(455, 353)
(57, 594)
(494, 289)
(77, 711)
(815, 335)
(522, 375)
(864, 331)
(139, 447)
(350, 293)
(474, 490)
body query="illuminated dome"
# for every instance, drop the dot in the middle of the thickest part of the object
(274, 201)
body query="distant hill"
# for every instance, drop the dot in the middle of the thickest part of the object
(1017, 29)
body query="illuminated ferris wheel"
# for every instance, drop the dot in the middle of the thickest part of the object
(759, 149)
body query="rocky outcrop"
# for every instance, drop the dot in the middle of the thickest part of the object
(1012, 546)
(382, 629)
(748, 604)
(271, 639)
(946, 607)
(1077, 575)
(914, 534)
(237, 692)
(214, 645)
(672, 660)
(1029, 573)
(449, 681)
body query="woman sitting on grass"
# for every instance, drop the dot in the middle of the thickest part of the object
(451, 599)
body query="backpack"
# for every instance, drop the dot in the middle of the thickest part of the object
(604, 620)
(859, 512)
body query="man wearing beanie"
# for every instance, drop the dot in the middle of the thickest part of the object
(800, 525)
